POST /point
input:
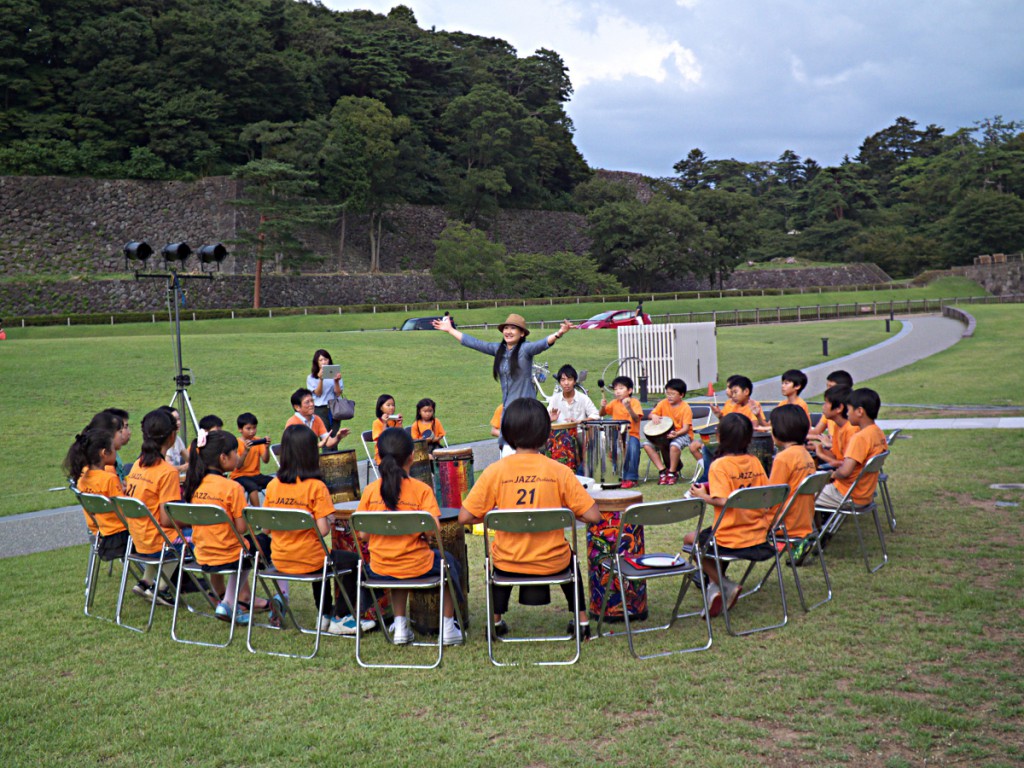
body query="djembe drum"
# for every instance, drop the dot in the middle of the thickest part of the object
(453, 475)
(601, 541)
(423, 604)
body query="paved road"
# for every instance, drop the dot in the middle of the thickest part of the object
(920, 337)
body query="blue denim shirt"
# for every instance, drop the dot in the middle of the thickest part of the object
(522, 384)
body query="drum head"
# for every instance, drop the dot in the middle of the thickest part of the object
(663, 427)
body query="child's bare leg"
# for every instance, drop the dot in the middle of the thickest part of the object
(706, 566)
(697, 449)
(399, 600)
(217, 582)
(673, 459)
(254, 498)
(655, 457)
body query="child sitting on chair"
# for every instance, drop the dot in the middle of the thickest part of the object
(835, 379)
(831, 447)
(427, 426)
(673, 407)
(625, 407)
(866, 443)
(405, 557)
(88, 463)
(253, 450)
(302, 403)
(529, 480)
(744, 532)
(299, 485)
(792, 465)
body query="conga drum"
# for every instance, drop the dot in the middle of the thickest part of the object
(343, 539)
(340, 470)
(657, 435)
(563, 444)
(605, 450)
(763, 447)
(601, 544)
(453, 475)
(423, 604)
(421, 462)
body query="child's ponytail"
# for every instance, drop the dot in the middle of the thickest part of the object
(85, 451)
(204, 457)
(157, 428)
(395, 447)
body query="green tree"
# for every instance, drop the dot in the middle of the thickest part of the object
(565, 273)
(985, 222)
(640, 242)
(729, 223)
(464, 257)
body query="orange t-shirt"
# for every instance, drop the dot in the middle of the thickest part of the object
(528, 481)
(800, 402)
(743, 527)
(747, 409)
(298, 551)
(105, 484)
(419, 427)
(841, 437)
(152, 486)
(377, 430)
(865, 444)
(792, 466)
(251, 462)
(317, 424)
(402, 557)
(496, 418)
(217, 544)
(681, 414)
(616, 410)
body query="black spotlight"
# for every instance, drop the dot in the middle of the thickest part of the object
(212, 254)
(176, 252)
(138, 250)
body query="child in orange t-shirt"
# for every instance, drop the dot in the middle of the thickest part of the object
(406, 557)
(386, 417)
(793, 383)
(831, 447)
(834, 379)
(211, 455)
(427, 426)
(744, 533)
(529, 480)
(253, 451)
(154, 482)
(792, 465)
(299, 485)
(738, 390)
(673, 407)
(88, 464)
(625, 407)
(868, 442)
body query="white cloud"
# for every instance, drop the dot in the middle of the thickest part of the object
(862, 71)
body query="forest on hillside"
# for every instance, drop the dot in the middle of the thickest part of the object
(328, 114)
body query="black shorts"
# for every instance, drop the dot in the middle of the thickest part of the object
(112, 547)
(254, 482)
(757, 552)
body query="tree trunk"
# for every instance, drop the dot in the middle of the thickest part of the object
(259, 266)
(341, 238)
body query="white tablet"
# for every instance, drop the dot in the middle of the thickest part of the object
(330, 371)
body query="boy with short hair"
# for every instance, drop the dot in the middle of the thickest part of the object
(211, 423)
(302, 403)
(835, 379)
(251, 451)
(793, 383)
(673, 407)
(868, 442)
(121, 437)
(832, 447)
(625, 407)
(738, 390)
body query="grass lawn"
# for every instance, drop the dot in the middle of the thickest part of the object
(54, 385)
(917, 664)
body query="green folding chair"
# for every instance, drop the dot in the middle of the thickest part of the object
(847, 509)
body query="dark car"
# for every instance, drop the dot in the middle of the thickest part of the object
(421, 324)
(615, 318)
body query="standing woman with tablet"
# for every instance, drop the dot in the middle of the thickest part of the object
(325, 382)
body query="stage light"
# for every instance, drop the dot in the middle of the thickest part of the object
(139, 250)
(176, 252)
(212, 254)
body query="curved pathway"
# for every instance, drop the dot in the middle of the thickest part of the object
(920, 337)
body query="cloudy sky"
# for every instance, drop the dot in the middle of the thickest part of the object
(751, 78)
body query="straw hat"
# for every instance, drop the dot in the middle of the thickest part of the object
(516, 321)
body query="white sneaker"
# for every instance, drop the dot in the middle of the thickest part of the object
(400, 631)
(325, 623)
(451, 634)
(346, 625)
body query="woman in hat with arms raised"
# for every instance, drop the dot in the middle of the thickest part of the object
(513, 359)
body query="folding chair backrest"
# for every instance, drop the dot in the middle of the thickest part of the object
(197, 514)
(874, 465)
(130, 508)
(761, 497)
(94, 503)
(813, 484)
(275, 451)
(395, 523)
(279, 519)
(700, 411)
(892, 436)
(662, 512)
(529, 520)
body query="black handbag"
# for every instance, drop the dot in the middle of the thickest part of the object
(342, 409)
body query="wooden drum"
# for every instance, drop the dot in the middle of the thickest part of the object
(342, 539)
(423, 604)
(421, 462)
(453, 475)
(341, 474)
(601, 540)
(763, 448)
